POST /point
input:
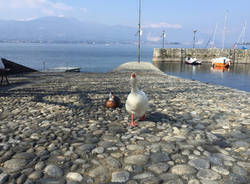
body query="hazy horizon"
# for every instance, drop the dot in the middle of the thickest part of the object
(178, 18)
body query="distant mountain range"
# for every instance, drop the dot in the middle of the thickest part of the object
(63, 29)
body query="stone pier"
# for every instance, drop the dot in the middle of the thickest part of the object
(204, 55)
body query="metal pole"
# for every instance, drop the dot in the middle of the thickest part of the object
(163, 37)
(194, 38)
(139, 34)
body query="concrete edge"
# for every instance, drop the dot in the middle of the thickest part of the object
(135, 66)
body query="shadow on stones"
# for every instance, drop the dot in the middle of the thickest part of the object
(157, 116)
(4, 89)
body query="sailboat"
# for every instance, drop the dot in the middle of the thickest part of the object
(241, 39)
(211, 38)
(222, 62)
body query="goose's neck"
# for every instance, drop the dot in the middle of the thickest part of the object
(134, 88)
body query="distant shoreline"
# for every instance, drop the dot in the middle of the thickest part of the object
(87, 42)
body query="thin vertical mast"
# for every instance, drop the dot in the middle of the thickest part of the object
(213, 41)
(225, 30)
(139, 34)
(244, 33)
(241, 38)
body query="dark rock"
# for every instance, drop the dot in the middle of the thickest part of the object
(159, 157)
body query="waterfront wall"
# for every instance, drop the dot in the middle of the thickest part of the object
(204, 55)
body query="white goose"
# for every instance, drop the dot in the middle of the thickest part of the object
(137, 102)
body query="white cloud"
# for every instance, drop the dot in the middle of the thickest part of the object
(60, 6)
(27, 19)
(23, 9)
(163, 25)
(152, 38)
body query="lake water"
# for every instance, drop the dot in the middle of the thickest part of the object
(237, 76)
(91, 58)
(104, 58)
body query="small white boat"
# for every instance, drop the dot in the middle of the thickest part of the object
(192, 61)
(65, 69)
(221, 62)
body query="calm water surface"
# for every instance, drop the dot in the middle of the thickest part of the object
(91, 58)
(237, 76)
(104, 58)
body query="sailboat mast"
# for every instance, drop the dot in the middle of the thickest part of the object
(213, 41)
(225, 29)
(242, 35)
(139, 34)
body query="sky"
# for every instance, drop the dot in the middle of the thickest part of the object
(174, 15)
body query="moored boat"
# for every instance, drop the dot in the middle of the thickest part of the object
(192, 61)
(221, 62)
(65, 69)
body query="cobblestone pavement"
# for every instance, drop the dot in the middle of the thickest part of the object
(54, 128)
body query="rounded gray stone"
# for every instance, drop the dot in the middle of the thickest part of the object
(207, 174)
(239, 170)
(244, 164)
(98, 150)
(53, 171)
(159, 168)
(199, 163)
(220, 170)
(136, 159)
(159, 157)
(73, 176)
(35, 175)
(143, 176)
(86, 147)
(133, 147)
(153, 138)
(120, 177)
(113, 162)
(183, 169)
(24, 155)
(40, 166)
(215, 160)
(15, 164)
(99, 171)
